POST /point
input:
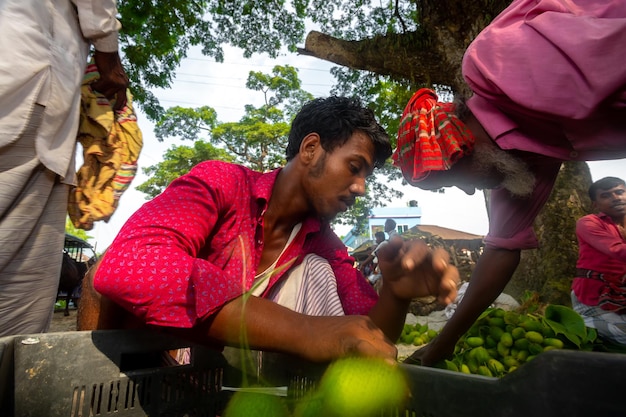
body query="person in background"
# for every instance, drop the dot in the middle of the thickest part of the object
(44, 46)
(227, 254)
(369, 267)
(599, 288)
(549, 85)
(376, 277)
(390, 228)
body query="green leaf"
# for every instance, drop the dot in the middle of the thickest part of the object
(564, 320)
(592, 334)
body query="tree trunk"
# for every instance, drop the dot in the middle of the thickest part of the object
(431, 54)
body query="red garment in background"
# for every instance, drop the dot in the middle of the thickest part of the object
(601, 249)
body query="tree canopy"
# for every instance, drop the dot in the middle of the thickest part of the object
(414, 43)
(258, 140)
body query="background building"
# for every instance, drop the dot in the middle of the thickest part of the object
(405, 218)
(463, 247)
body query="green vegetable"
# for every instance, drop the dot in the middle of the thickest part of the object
(246, 404)
(534, 337)
(361, 387)
(474, 341)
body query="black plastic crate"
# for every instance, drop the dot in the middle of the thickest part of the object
(105, 373)
(120, 373)
(556, 383)
(559, 383)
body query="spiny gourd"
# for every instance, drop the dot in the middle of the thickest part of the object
(501, 341)
(416, 334)
(248, 404)
(356, 387)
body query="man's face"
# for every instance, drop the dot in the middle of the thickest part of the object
(336, 179)
(486, 168)
(612, 202)
(463, 176)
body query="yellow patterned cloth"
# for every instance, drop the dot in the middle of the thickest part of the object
(111, 144)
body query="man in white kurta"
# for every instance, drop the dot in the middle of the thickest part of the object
(44, 46)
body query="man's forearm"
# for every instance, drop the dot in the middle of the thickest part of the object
(389, 313)
(264, 325)
(255, 323)
(492, 273)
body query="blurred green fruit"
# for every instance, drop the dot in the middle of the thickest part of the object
(362, 387)
(252, 404)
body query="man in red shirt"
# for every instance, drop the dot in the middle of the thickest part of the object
(218, 252)
(599, 288)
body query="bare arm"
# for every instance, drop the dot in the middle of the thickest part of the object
(113, 80)
(100, 26)
(266, 325)
(493, 271)
(410, 270)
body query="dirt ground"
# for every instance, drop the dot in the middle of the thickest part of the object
(61, 323)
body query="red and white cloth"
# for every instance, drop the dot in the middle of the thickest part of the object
(430, 138)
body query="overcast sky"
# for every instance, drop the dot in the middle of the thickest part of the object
(202, 82)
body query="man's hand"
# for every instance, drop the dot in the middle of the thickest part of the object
(113, 80)
(339, 336)
(411, 269)
(272, 327)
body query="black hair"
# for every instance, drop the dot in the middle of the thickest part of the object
(380, 235)
(605, 183)
(335, 119)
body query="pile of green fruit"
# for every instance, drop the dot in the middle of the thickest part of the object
(501, 341)
(416, 334)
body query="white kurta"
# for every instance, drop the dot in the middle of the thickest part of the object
(43, 54)
(44, 46)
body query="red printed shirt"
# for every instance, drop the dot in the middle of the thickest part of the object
(601, 248)
(197, 246)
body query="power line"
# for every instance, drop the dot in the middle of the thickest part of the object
(254, 65)
(178, 80)
(233, 78)
(200, 104)
(236, 86)
(210, 76)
